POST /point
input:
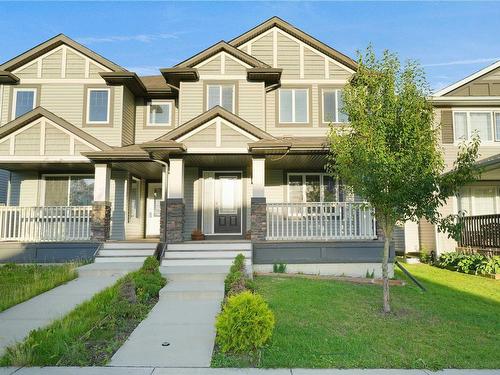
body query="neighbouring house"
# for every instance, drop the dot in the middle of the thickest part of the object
(231, 141)
(468, 106)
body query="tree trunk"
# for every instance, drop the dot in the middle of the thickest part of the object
(387, 228)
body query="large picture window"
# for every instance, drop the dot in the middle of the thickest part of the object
(485, 123)
(68, 190)
(317, 187)
(294, 106)
(479, 200)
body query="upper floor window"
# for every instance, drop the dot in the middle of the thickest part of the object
(485, 123)
(68, 190)
(24, 101)
(294, 106)
(333, 103)
(160, 113)
(222, 95)
(98, 106)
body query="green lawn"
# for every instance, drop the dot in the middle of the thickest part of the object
(455, 324)
(21, 282)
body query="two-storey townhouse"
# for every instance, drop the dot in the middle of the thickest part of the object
(230, 142)
(461, 109)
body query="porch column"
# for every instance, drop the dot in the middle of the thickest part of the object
(163, 203)
(175, 202)
(258, 210)
(100, 220)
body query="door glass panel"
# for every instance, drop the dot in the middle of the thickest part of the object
(228, 196)
(313, 193)
(295, 189)
(156, 202)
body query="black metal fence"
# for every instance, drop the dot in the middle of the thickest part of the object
(481, 231)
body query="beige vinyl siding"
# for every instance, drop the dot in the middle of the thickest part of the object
(145, 133)
(24, 188)
(94, 71)
(314, 65)
(5, 148)
(30, 71)
(427, 235)
(232, 138)
(288, 57)
(262, 49)
(234, 68)
(4, 185)
(128, 116)
(75, 65)
(204, 138)
(5, 104)
(192, 188)
(81, 147)
(486, 85)
(28, 141)
(51, 65)
(191, 100)
(211, 67)
(56, 141)
(338, 72)
(251, 102)
(274, 186)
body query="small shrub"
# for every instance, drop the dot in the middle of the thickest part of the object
(370, 275)
(150, 264)
(279, 267)
(235, 281)
(477, 264)
(245, 324)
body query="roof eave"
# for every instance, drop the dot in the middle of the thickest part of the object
(8, 78)
(173, 76)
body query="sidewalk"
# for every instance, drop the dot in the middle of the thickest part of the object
(40, 311)
(226, 371)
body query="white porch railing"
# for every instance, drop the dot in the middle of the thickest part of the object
(45, 224)
(320, 221)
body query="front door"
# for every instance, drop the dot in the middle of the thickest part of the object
(153, 210)
(227, 210)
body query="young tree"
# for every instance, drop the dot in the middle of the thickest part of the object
(389, 151)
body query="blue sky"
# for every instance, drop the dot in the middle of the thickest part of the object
(451, 39)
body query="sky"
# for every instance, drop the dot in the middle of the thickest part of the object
(450, 39)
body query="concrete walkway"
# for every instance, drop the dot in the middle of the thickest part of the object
(39, 311)
(180, 330)
(227, 371)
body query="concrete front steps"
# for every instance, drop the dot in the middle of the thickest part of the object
(206, 254)
(125, 252)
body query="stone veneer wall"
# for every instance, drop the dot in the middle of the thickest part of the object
(258, 219)
(174, 220)
(100, 221)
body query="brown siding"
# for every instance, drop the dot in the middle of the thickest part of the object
(427, 236)
(128, 117)
(447, 126)
(486, 85)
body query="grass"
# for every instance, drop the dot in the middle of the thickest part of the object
(93, 331)
(455, 324)
(19, 283)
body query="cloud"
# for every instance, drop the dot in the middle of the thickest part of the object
(464, 62)
(142, 38)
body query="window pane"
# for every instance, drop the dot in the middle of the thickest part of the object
(329, 106)
(56, 191)
(213, 96)
(227, 98)
(481, 122)
(24, 102)
(313, 188)
(286, 106)
(98, 106)
(295, 188)
(134, 199)
(460, 120)
(340, 99)
(484, 200)
(464, 201)
(497, 126)
(81, 191)
(159, 114)
(329, 189)
(300, 106)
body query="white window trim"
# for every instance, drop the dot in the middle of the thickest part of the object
(470, 191)
(220, 85)
(159, 102)
(89, 90)
(492, 111)
(44, 181)
(321, 182)
(337, 111)
(293, 90)
(14, 98)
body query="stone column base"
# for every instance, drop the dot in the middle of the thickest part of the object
(174, 220)
(258, 219)
(100, 221)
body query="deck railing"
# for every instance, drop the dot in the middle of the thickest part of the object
(482, 231)
(45, 224)
(320, 221)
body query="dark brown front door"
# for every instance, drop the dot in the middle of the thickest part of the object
(227, 203)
